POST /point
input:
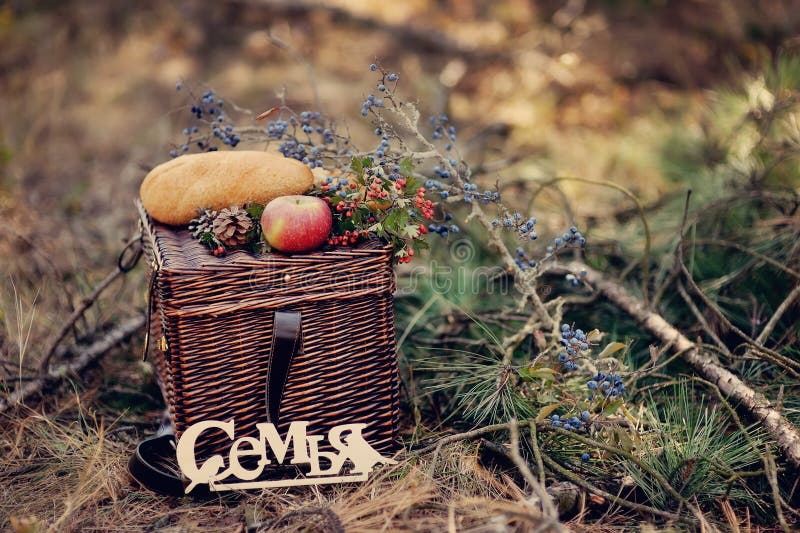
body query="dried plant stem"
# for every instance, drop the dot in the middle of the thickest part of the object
(548, 509)
(537, 453)
(85, 304)
(680, 267)
(776, 424)
(88, 356)
(437, 446)
(772, 476)
(778, 314)
(749, 251)
(703, 322)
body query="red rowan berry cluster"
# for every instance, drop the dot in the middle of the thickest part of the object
(375, 191)
(346, 207)
(349, 238)
(425, 206)
(406, 258)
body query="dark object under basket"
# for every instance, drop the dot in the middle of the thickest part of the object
(211, 336)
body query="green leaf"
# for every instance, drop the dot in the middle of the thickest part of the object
(407, 167)
(612, 407)
(545, 411)
(255, 211)
(612, 347)
(624, 441)
(395, 220)
(411, 231)
(357, 167)
(533, 374)
(208, 239)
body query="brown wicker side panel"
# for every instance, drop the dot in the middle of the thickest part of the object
(154, 352)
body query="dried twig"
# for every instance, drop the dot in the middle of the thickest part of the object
(77, 314)
(88, 356)
(702, 320)
(778, 314)
(772, 355)
(467, 435)
(548, 509)
(751, 252)
(772, 476)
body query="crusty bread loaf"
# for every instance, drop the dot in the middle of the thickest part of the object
(174, 191)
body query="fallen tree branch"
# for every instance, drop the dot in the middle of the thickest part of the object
(88, 356)
(778, 426)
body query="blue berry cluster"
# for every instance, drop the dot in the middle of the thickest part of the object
(572, 423)
(515, 221)
(309, 123)
(471, 194)
(572, 237)
(383, 147)
(522, 261)
(208, 110)
(444, 229)
(574, 280)
(574, 343)
(276, 129)
(301, 152)
(610, 385)
(369, 103)
(442, 129)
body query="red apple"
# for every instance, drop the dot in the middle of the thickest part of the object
(296, 223)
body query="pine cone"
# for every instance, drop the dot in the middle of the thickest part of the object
(203, 223)
(231, 226)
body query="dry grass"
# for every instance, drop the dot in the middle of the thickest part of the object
(67, 472)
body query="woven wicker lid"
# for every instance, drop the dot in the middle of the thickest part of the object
(176, 250)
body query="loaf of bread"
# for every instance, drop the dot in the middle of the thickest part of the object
(174, 191)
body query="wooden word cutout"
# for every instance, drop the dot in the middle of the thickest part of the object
(346, 439)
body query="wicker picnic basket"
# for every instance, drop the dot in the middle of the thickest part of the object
(212, 333)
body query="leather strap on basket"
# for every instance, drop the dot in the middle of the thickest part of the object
(154, 466)
(287, 341)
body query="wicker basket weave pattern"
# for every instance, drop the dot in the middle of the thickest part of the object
(212, 331)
